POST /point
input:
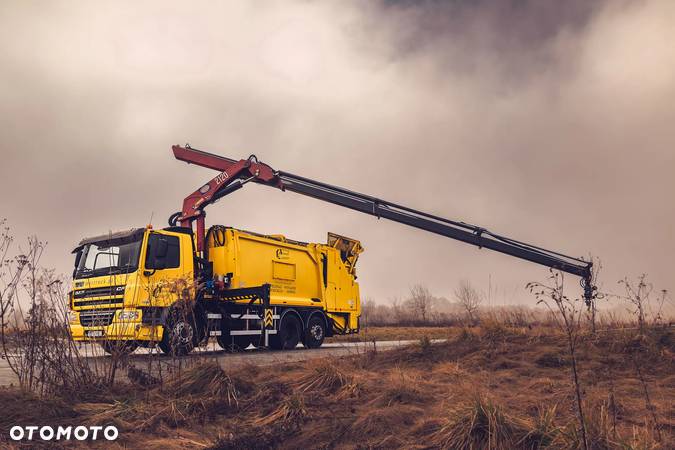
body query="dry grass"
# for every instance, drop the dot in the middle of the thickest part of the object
(326, 377)
(288, 416)
(204, 380)
(496, 387)
(369, 334)
(481, 424)
(23, 407)
(401, 387)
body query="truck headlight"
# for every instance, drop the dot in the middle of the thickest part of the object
(128, 315)
(73, 317)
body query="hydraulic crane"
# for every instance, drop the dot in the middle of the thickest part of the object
(177, 286)
(235, 174)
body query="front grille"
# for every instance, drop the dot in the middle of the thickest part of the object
(100, 318)
(112, 294)
(105, 301)
(106, 291)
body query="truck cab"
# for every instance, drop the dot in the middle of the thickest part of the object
(123, 281)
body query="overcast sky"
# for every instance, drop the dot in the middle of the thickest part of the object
(550, 122)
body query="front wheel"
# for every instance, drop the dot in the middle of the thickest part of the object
(288, 334)
(315, 332)
(180, 334)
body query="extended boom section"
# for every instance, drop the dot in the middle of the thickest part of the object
(460, 231)
(470, 234)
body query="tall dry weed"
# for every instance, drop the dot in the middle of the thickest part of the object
(479, 424)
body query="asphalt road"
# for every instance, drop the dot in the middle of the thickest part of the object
(143, 358)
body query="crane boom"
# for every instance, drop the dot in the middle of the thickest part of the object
(237, 173)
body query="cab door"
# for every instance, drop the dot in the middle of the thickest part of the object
(167, 269)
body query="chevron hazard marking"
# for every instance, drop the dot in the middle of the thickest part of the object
(269, 318)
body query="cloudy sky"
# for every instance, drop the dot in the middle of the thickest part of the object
(550, 122)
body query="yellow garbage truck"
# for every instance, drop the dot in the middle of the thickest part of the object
(138, 287)
(178, 286)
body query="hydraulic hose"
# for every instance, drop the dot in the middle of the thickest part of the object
(173, 218)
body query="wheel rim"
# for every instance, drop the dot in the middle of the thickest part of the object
(316, 332)
(183, 333)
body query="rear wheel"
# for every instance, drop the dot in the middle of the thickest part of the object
(180, 333)
(288, 334)
(236, 344)
(314, 333)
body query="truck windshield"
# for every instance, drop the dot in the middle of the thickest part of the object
(98, 259)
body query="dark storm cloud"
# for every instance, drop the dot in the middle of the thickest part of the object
(550, 122)
(510, 26)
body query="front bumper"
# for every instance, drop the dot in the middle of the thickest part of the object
(117, 331)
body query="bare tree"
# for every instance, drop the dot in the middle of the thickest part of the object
(11, 272)
(34, 336)
(420, 302)
(469, 299)
(397, 310)
(367, 310)
(638, 295)
(567, 314)
(660, 301)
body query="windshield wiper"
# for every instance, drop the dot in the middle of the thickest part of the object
(113, 270)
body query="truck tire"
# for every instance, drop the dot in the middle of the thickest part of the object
(315, 332)
(238, 344)
(119, 347)
(180, 333)
(288, 334)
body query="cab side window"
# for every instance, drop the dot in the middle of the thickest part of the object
(163, 252)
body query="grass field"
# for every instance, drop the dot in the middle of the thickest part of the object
(490, 388)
